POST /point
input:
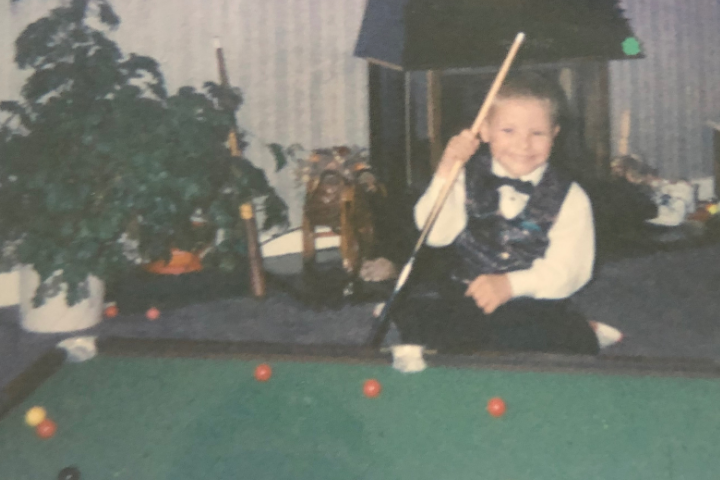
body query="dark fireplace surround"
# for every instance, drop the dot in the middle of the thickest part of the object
(432, 61)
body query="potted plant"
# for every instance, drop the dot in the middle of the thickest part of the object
(100, 169)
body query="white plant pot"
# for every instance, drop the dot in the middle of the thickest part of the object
(55, 315)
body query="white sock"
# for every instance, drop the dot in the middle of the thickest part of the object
(606, 334)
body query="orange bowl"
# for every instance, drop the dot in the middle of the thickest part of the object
(180, 262)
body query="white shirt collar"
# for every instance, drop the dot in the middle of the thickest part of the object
(533, 177)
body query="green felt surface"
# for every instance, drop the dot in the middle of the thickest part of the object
(183, 419)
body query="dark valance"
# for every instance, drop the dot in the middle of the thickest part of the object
(442, 34)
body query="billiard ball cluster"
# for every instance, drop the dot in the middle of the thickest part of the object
(37, 418)
(372, 388)
(152, 313)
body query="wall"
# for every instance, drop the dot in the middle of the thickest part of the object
(674, 91)
(291, 58)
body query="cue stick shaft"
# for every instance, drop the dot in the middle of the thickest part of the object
(484, 109)
(382, 324)
(247, 211)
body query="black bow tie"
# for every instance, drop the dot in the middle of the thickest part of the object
(496, 182)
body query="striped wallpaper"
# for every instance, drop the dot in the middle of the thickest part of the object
(293, 61)
(675, 91)
(291, 58)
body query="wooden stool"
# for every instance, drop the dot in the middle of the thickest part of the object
(332, 201)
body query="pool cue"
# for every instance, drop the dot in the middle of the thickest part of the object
(381, 325)
(246, 210)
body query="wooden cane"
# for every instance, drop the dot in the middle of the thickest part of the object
(257, 273)
(381, 325)
(246, 211)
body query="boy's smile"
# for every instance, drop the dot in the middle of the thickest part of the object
(520, 132)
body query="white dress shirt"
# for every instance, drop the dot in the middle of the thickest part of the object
(568, 262)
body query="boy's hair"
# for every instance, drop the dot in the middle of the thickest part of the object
(528, 84)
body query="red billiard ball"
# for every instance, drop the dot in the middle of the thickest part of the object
(263, 372)
(46, 428)
(496, 407)
(152, 313)
(111, 311)
(372, 388)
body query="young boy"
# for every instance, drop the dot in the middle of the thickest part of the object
(519, 233)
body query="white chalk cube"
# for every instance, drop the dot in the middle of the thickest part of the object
(408, 358)
(79, 349)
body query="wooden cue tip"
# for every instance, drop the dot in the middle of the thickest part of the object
(216, 43)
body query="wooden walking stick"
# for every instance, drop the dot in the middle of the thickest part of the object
(382, 323)
(246, 211)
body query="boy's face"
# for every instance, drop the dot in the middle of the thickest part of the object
(520, 132)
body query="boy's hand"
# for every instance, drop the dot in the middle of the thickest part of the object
(459, 149)
(490, 291)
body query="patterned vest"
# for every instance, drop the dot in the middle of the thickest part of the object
(491, 243)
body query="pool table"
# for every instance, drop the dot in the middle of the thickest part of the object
(186, 410)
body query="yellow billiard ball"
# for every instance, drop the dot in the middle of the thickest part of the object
(35, 416)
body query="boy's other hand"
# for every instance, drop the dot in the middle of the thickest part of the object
(459, 149)
(490, 291)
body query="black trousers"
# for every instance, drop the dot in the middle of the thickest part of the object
(440, 317)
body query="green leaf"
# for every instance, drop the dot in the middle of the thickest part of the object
(108, 15)
(15, 108)
(77, 9)
(104, 143)
(276, 212)
(33, 44)
(279, 154)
